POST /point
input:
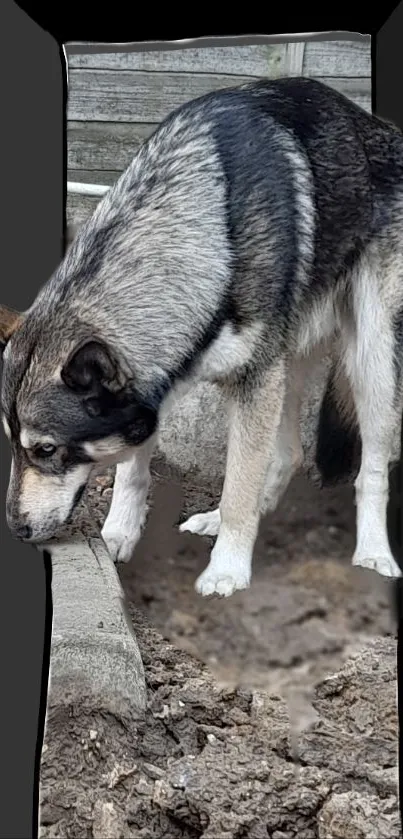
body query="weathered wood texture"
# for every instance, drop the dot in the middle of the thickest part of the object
(321, 58)
(117, 99)
(126, 95)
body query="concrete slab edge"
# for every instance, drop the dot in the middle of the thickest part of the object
(95, 661)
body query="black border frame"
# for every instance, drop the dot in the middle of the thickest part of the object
(47, 24)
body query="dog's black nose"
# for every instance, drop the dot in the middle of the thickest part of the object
(24, 532)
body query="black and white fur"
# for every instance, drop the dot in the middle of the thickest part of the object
(256, 228)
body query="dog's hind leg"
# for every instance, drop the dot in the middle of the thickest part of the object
(370, 365)
(288, 454)
(254, 419)
(127, 513)
(287, 458)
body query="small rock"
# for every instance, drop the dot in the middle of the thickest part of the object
(120, 773)
(162, 793)
(93, 734)
(103, 481)
(164, 714)
(143, 787)
(107, 821)
(152, 771)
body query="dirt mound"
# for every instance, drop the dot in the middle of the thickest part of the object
(221, 763)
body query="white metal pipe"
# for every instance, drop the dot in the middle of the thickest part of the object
(74, 188)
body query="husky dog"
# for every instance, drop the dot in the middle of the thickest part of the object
(256, 225)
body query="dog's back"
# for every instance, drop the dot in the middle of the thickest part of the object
(356, 161)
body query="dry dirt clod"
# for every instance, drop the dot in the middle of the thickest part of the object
(350, 815)
(108, 821)
(120, 773)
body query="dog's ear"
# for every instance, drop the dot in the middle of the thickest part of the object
(92, 370)
(10, 320)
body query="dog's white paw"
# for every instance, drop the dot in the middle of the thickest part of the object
(384, 564)
(120, 544)
(215, 581)
(230, 566)
(204, 524)
(224, 578)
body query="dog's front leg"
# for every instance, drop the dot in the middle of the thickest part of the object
(254, 419)
(127, 513)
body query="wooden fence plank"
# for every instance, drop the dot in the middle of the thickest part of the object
(125, 96)
(79, 208)
(265, 59)
(294, 59)
(102, 145)
(94, 176)
(337, 58)
(322, 58)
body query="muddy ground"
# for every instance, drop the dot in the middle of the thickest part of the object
(216, 756)
(307, 608)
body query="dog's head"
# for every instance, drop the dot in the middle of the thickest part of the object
(68, 403)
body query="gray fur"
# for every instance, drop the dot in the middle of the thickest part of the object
(256, 232)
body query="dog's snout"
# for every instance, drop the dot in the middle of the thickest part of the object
(14, 521)
(24, 532)
(19, 529)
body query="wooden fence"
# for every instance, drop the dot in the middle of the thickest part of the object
(117, 99)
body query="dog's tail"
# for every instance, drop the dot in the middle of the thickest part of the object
(338, 445)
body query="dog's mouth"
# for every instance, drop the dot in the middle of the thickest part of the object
(54, 528)
(28, 536)
(76, 500)
(68, 520)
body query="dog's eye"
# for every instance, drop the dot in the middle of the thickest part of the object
(46, 450)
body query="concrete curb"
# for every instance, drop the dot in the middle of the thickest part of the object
(95, 660)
